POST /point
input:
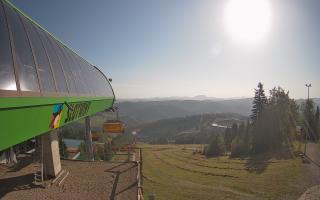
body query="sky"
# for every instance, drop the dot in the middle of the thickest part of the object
(163, 48)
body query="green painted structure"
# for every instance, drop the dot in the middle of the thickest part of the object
(43, 83)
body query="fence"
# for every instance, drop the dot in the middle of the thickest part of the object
(140, 175)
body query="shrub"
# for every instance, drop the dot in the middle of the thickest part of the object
(238, 147)
(216, 147)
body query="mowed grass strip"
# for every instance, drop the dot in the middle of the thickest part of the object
(221, 163)
(195, 169)
(185, 153)
(217, 165)
(279, 179)
(168, 182)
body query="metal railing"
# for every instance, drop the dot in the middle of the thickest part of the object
(140, 175)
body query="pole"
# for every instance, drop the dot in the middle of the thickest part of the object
(88, 139)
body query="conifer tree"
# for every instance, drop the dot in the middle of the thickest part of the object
(259, 106)
(229, 135)
(318, 114)
(216, 147)
(259, 101)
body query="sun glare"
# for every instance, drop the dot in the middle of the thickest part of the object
(248, 21)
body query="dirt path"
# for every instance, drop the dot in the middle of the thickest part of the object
(313, 155)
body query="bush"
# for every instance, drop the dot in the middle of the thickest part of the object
(216, 147)
(238, 147)
(108, 152)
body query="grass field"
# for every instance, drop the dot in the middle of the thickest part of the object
(174, 172)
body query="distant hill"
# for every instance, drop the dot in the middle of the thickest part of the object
(141, 112)
(315, 100)
(180, 98)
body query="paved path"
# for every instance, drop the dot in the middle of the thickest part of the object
(312, 193)
(313, 153)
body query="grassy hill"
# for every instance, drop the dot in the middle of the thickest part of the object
(175, 172)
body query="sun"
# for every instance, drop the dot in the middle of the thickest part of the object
(248, 21)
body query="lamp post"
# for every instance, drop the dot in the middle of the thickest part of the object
(308, 107)
(308, 86)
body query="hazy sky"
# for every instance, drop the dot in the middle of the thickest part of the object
(158, 48)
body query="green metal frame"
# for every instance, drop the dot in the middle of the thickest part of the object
(23, 118)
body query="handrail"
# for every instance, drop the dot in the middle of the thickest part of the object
(140, 176)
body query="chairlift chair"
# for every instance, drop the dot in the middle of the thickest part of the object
(114, 126)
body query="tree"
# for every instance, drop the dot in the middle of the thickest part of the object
(259, 102)
(108, 153)
(318, 114)
(240, 144)
(259, 136)
(258, 109)
(275, 122)
(216, 147)
(229, 135)
(241, 130)
(238, 147)
(227, 138)
(284, 117)
(310, 119)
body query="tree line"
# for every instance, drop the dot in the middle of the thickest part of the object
(272, 125)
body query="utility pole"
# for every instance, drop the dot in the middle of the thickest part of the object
(88, 138)
(307, 131)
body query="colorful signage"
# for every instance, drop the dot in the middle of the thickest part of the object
(56, 116)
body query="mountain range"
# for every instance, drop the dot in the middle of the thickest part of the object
(144, 114)
(197, 97)
(135, 112)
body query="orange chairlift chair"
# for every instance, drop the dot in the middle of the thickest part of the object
(114, 126)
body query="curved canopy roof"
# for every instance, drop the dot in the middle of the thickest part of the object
(43, 84)
(34, 63)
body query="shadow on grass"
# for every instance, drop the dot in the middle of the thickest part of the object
(258, 163)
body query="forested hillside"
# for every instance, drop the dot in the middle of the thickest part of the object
(186, 130)
(148, 113)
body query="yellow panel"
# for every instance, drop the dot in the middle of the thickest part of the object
(113, 127)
